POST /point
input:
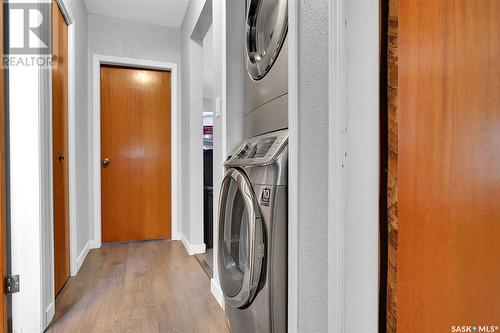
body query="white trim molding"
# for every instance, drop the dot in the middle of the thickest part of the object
(99, 60)
(193, 249)
(65, 9)
(293, 164)
(50, 312)
(360, 52)
(83, 254)
(336, 175)
(216, 291)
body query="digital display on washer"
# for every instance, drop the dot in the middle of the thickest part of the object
(261, 147)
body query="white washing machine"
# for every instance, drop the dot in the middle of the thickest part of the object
(266, 50)
(252, 241)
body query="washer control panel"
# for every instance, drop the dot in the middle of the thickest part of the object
(262, 149)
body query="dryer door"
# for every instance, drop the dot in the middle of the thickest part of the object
(266, 28)
(241, 244)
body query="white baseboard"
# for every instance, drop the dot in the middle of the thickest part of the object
(177, 236)
(49, 314)
(193, 249)
(83, 255)
(95, 244)
(186, 244)
(217, 292)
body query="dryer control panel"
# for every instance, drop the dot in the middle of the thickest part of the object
(259, 150)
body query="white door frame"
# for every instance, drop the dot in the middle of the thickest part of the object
(68, 15)
(337, 147)
(99, 60)
(336, 171)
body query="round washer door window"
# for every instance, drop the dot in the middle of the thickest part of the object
(234, 241)
(266, 28)
(240, 240)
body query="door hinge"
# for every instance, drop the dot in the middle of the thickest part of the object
(12, 284)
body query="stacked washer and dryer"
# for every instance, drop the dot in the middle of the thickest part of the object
(253, 207)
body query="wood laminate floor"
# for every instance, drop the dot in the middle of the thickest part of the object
(206, 261)
(149, 286)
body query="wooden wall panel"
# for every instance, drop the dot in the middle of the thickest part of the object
(136, 140)
(448, 164)
(392, 193)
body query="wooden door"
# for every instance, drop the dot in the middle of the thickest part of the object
(135, 139)
(448, 165)
(60, 147)
(3, 259)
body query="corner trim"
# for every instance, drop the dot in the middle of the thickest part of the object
(193, 249)
(72, 205)
(216, 291)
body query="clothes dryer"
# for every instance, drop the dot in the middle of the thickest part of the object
(266, 53)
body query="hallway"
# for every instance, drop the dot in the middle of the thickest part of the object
(149, 286)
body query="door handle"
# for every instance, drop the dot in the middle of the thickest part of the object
(105, 162)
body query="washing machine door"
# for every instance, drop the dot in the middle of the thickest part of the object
(241, 245)
(266, 28)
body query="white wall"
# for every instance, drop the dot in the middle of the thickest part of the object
(219, 154)
(28, 208)
(208, 73)
(309, 158)
(355, 304)
(123, 38)
(194, 232)
(191, 124)
(31, 183)
(235, 71)
(81, 121)
(228, 127)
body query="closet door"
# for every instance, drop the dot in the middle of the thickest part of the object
(448, 165)
(60, 147)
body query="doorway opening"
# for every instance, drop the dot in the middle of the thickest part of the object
(135, 154)
(208, 149)
(144, 71)
(203, 42)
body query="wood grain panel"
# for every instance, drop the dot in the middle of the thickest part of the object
(392, 166)
(135, 137)
(448, 164)
(60, 147)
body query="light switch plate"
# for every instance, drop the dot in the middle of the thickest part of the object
(217, 107)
